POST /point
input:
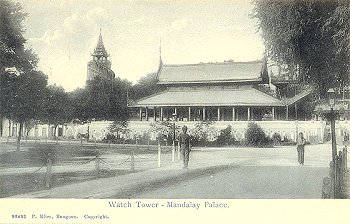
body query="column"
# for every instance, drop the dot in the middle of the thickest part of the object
(175, 110)
(287, 113)
(161, 113)
(140, 113)
(233, 114)
(273, 113)
(155, 113)
(189, 113)
(146, 113)
(248, 112)
(218, 113)
(203, 113)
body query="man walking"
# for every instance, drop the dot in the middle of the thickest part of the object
(301, 148)
(184, 139)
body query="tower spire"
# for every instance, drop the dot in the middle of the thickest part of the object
(160, 50)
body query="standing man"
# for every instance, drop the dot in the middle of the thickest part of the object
(301, 148)
(184, 139)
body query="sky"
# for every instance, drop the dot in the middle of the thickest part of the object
(64, 32)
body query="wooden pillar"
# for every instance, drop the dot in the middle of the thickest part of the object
(175, 111)
(273, 113)
(140, 113)
(189, 113)
(233, 114)
(203, 114)
(146, 113)
(248, 113)
(161, 113)
(287, 113)
(218, 113)
(155, 113)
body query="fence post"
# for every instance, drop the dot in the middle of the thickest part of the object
(332, 177)
(97, 164)
(132, 159)
(95, 140)
(148, 144)
(159, 153)
(173, 152)
(178, 150)
(48, 171)
(137, 143)
(81, 140)
(109, 143)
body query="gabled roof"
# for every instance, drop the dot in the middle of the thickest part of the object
(210, 72)
(209, 97)
(299, 96)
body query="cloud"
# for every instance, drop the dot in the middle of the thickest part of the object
(48, 37)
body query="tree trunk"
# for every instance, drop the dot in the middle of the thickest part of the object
(19, 135)
(54, 132)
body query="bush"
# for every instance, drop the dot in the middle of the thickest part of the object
(255, 136)
(199, 135)
(276, 139)
(225, 137)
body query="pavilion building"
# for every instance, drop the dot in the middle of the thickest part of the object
(228, 93)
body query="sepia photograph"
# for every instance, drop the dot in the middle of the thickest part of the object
(134, 99)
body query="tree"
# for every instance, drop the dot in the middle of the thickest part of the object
(301, 34)
(146, 86)
(25, 97)
(21, 86)
(57, 108)
(101, 100)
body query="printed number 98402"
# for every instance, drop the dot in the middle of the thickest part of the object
(16, 216)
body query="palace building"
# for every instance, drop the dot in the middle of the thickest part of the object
(100, 65)
(228, 91)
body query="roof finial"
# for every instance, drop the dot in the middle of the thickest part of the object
(160, 48)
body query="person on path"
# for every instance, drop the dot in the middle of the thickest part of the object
(184, 139)
(301, 148)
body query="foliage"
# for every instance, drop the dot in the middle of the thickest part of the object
(226, 137)
(57, 107)
(21, 85)
(310, 37)
(255, 136)
(276, 138)
(101, 100)
(199, 135)
(119, 126)
(146, 86)
(164, 130)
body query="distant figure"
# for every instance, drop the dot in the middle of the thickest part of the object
(184, 139)
(301, 148)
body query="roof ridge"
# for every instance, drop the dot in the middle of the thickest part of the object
(213, 63)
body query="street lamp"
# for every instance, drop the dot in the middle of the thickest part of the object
(331, 98)
(173, 149)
